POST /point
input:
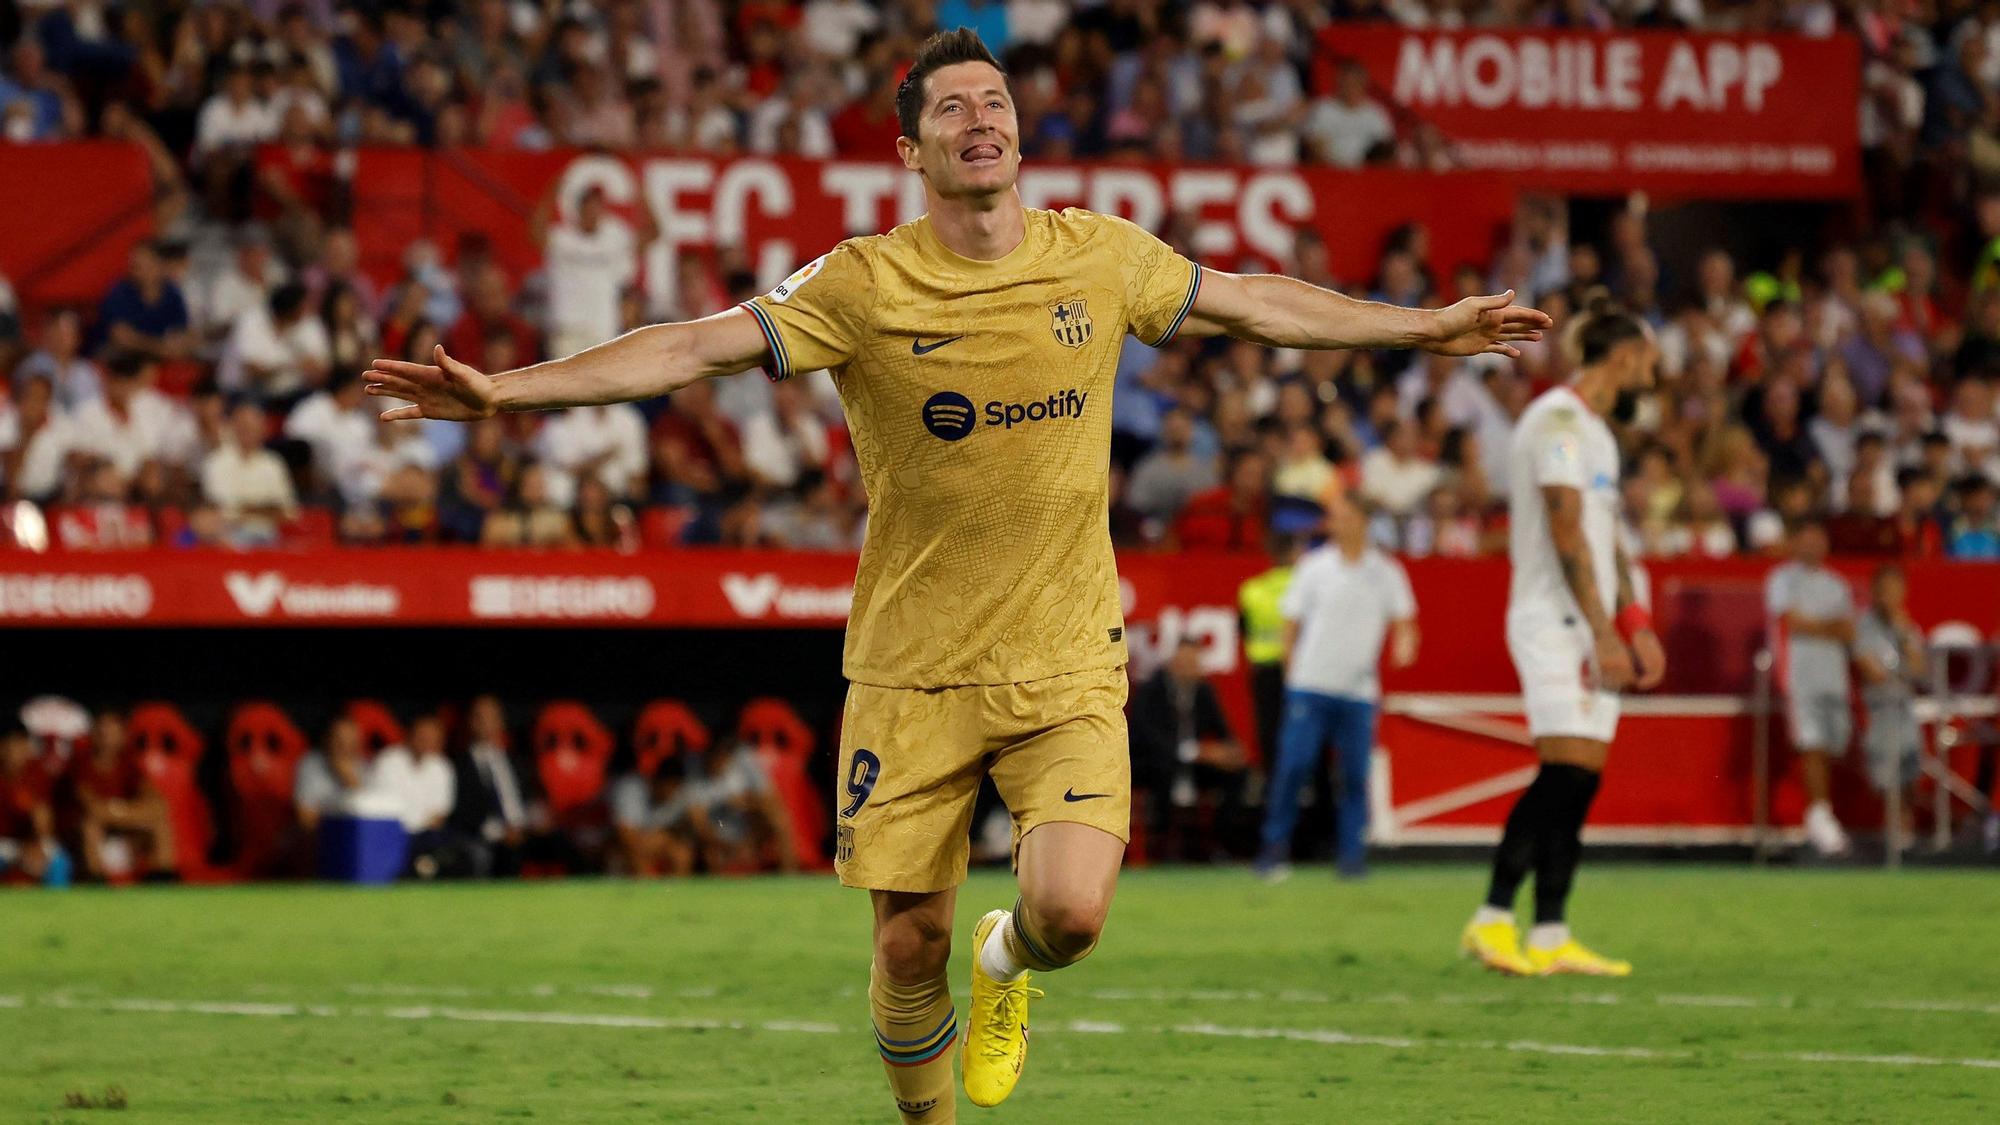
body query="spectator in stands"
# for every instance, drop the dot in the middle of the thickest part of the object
(607, 442)
(601, 521)
(697, 454)
(1184, 758)
(1975, 531)
(786, 441)
(1815, 609)
(489, 813)
(416, 780)
(125, 828)
(1395, 476)
(1163, 481)
(61, 361)
(248, 482)
(479, 482)
(488, 328)
(131, 423)
(337, 423)
(1890, 659)
(278, 351)
(738, 817)
(28, 847)
(1234, 516)
(530, 518)
(35, 439)
(590, 261)
(330, 780)
(246, 285)
(1347, 128)
(35, 102)
(654, 820)
(145, 311)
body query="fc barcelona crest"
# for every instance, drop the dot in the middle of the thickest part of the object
(1070, 321)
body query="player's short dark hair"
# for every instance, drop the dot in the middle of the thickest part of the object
(946, 48)
(1601, 327)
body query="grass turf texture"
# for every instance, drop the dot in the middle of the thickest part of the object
(1213, 998)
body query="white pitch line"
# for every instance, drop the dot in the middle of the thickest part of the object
(1678, 1001)
(1933, 1006)
(1322, 1036)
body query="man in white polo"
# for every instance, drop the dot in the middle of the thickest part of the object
(1345, 600)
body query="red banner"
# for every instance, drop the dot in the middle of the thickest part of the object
(785, 211)
(1679, 114)
(69, 214)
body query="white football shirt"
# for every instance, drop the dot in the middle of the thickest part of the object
(1560, 441)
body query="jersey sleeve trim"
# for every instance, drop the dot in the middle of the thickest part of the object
(781, 361)
(1187, 306)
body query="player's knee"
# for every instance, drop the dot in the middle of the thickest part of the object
(1068, 927)
(913, 947)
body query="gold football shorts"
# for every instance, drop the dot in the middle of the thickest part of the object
(911, 760)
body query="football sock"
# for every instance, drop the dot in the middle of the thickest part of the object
(1548, 935)
(1562, 837)
(1034, 947)
(1487, 915)
(994, 958)
(915, 1027)
(1520, 841)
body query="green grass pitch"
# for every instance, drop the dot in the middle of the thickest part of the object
(1767, 996)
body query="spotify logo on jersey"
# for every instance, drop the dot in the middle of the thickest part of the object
(948, 415)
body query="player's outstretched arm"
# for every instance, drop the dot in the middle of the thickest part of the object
(1284, 312)
(643, 363)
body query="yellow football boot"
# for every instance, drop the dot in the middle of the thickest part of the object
(1497, 945)
(996, 1026)
(1572, 957)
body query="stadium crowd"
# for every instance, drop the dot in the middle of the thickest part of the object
(212, 395)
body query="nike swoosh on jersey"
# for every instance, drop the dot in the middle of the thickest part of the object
(1072, 795)
(918, 347)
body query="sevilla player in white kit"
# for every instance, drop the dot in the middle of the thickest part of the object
(1578, 636)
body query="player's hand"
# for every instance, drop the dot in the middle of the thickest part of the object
(1651, 659)
(1493, 324)
(447, 390)
(1613, 662)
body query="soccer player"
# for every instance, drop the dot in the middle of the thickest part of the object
(1578, 636)
(986, 636)
(1345, 601)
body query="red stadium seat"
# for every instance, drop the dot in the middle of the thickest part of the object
(168, 750)
(664, 728)
(572, 749)
(312, 527)
(379, 726)
(783, 744)
(264, 751)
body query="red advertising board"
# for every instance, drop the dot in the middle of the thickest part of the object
(785, 211)
(1673, 113)
(1455, 747)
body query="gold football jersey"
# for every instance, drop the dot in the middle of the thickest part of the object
(979, 399)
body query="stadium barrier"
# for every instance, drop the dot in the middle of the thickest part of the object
(1685, 763)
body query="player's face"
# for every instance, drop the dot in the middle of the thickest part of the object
(969, 141)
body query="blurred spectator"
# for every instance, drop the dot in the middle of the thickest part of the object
(1975, 532)
(1347, 128)
(337, 423)
(1185, 760)
(488, 331)
(28, 847)
(1230, 517)
(145, 311)
(248, 482)
(1394, 475)
(1163, 481)
(788, 440)
(35, 442)
(125, 828)
(35, 102)
(489, 815)
(60, 360)
(607, 442)
(330, 780)
(654, 819)
(131, 423)
(416, 781)
(1815, 610)
(590, 261)
(737, 815)
(1889, 657)
(247, 283)
(529, 518)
